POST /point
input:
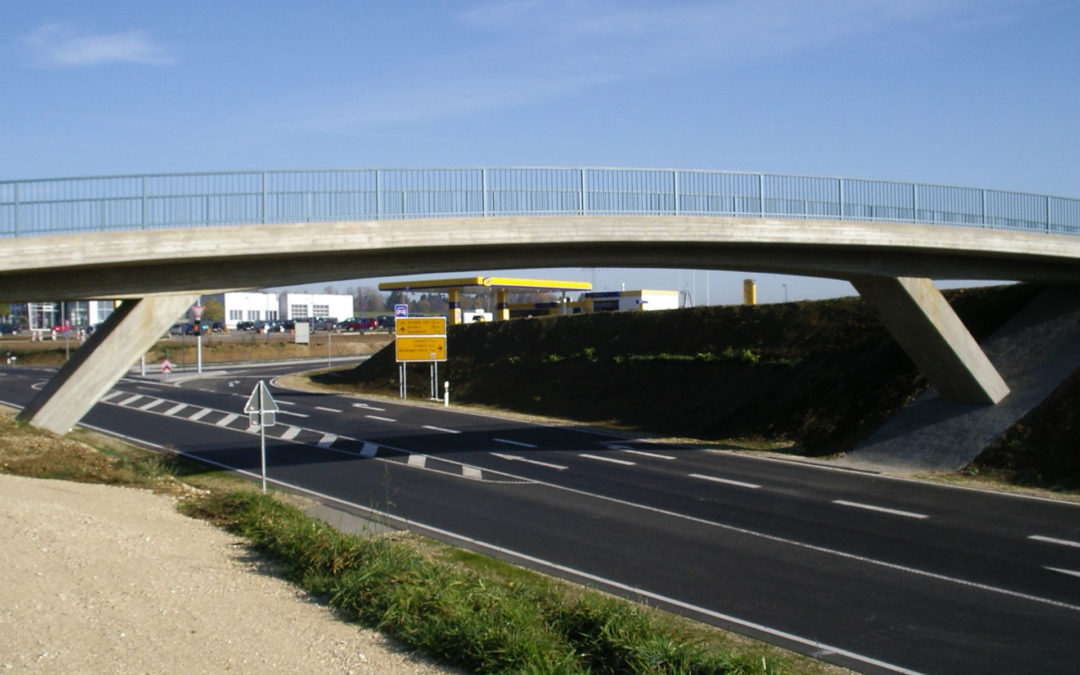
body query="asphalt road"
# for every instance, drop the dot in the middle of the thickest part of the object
(874, 573)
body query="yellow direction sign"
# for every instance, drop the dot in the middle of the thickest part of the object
(426, 348)
(420, 325)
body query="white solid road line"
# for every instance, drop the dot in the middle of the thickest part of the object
(1052, 540)
(515, 458)
(881, 509)
(726, 481)
(507, 441)
(442, 429)
(601, 458)
(381, 419)
(641, 453)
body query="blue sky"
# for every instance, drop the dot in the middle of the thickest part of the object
(964, 92)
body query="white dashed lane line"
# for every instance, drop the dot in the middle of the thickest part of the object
(881, 509)
(725, 481)
(445, 431)
(612, 460)
(381, 419)
(642, 453)
(1052, 540)
(515, 458)
(1071, 573)
(507, 441)
(330, 410)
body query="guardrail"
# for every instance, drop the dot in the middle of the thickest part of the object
(68, 205)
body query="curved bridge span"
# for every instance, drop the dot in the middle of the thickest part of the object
(159, 241)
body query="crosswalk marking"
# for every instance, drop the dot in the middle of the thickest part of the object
(227, 420)
(327, 440)
(290, 433)
(175, 409)
(201, 414)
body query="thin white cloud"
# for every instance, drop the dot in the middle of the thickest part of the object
(520, 52)
(56, 45)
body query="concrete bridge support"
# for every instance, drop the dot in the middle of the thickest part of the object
(125, 336)
(921, 320)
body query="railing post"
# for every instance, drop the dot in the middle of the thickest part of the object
(378, 194)
(840, 191)
(1047, 201)
(484, 192)
(265, 210)
(675, 190)
(982, 216)
(145, 206)
(581, 197)
(16, 209)
(915, 202)
(761, 192)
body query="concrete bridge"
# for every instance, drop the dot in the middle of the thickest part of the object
(160, 241)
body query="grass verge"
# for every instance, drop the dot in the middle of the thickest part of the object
(458, 607)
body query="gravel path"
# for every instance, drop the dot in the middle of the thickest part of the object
(108, 579)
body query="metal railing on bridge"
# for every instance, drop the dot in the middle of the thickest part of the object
(67, 205)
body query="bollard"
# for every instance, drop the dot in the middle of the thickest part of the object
(446, 394)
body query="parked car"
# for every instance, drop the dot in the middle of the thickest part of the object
(324, 324)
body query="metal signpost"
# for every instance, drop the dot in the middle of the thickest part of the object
(420, 339)
(262, 409)
(196, 311)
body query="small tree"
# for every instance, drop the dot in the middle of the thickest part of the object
(213, 310)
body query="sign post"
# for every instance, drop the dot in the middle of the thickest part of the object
(196, 311)
(262, 409)
(420, 339)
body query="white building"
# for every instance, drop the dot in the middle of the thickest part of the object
(255, 306)
(628, 301)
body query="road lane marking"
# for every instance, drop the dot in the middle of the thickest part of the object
(152, 404)
(111, 395)
(326, 441)
(515, 458)
(369, 450)
(381, 419)
(1052, 540)
(881, 509)
(290, 433)
(130, 399)
(641, 453)
(726, 481)
(419, 461)
(227, 420)
(175, 409)
(289, 412)
(201, 414)
(1073, 573)
(507, 441)
(601, 458)
(442, 429)
(472, 472)
(365, 406)
(332, 410)
(278, 401)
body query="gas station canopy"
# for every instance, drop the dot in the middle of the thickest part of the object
(502, 286)
(485, 282)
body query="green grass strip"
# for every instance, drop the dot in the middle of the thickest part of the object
(460, 617)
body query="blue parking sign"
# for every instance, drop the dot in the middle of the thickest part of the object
(401, 311)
